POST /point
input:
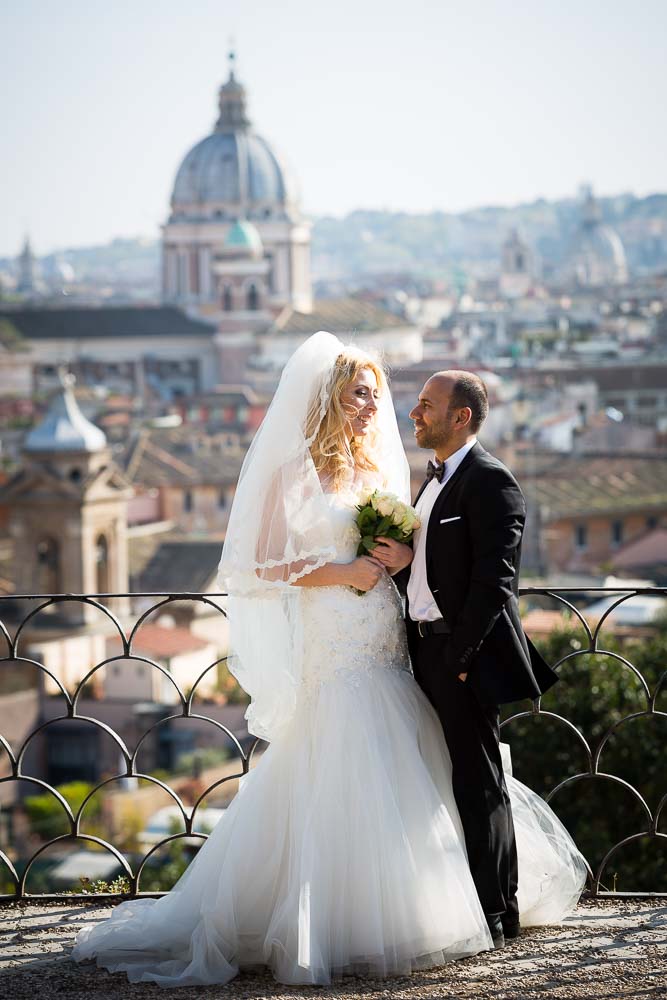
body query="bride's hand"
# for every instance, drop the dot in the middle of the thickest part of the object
(364, 572)
(393, 555)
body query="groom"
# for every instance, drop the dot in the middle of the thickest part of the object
(468, 649)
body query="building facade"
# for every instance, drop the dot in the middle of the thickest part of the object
(230, 176)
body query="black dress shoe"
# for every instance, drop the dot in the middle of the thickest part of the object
(496, 931)
(511, 931)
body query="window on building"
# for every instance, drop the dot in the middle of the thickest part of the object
(222, 500)
(102, 565)
(616, 532)
(48, 567)
(581, 536)
(188, 503)
(253, 298)
(651, 522)
(227, 303)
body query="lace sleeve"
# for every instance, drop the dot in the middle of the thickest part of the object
(294, 534)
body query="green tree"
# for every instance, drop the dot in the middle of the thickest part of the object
(605, 701)
(47, 817)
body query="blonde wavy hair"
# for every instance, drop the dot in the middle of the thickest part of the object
(327, 424)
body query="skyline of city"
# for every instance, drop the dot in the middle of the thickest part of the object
(367, 138)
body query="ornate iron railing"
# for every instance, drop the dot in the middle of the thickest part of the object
(26, 616)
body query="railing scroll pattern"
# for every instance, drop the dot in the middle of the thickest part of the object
(184, 702)
(14, 636)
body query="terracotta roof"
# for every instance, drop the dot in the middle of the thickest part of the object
(649, 550)
(339, 316)
(574, 485)
(177, 457)
(540, 623)
(609, 377)
(159, 641)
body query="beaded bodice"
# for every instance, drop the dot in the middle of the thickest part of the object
(346, 634)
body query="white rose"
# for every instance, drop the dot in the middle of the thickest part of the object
(383, 503)
(410, 521)
(399, 513)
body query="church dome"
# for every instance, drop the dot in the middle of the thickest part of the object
(597, 255)
(64, 428)
(233, 172)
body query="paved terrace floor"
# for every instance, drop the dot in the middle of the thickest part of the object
(607, 950)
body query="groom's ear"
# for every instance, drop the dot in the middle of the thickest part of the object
(464, 416)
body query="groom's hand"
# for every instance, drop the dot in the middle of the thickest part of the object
(393, 555)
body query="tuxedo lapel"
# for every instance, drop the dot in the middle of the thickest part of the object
(474, 452)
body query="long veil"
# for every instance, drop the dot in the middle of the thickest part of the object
(279, 531)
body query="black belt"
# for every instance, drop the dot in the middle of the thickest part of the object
(438, 627)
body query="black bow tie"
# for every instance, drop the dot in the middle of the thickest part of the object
(437, 471)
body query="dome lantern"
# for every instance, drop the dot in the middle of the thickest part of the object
(232, 102)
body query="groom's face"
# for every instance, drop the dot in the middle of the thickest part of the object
(435, 423)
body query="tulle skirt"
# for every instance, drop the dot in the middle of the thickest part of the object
(342, 853)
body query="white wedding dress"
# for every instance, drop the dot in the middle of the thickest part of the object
(343, 851)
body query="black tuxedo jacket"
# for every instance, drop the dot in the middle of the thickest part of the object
(473, 552)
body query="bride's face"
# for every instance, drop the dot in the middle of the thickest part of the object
(360, 402)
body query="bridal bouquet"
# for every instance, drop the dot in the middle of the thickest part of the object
(384, 515)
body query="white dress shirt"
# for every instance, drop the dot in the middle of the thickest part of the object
(422, 602)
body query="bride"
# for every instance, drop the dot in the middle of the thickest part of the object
(343, 851)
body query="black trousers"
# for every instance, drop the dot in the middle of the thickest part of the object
(472, 733)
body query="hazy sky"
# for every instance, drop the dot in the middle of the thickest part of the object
(414, 105)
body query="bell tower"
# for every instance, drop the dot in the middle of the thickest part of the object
(517, 267)
(68, 511)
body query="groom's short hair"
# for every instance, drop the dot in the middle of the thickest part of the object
(469, 390)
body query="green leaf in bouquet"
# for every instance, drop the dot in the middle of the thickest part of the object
(383, 526)
(368, 543)
(367, 520)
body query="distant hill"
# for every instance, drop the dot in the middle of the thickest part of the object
(373, 242)
(370, 242)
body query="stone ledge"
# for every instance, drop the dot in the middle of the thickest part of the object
(607, 949)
